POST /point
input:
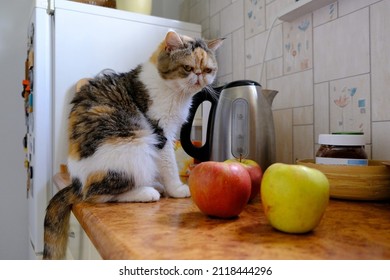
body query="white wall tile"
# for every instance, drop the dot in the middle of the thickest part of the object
(294, 90)
(206, 28)
(274, 68)
(303, 115)
(283, 135)
(348, 6)
(223, 80)
(321, 109)
(380, 140)
(225, 57)
(199, 11)
(254, 49)
(253, 73)
(341, 47)
(380, 60)
(325, 14)
(275, 44)
(232, 17)
(238, 54)
(273, 9)
(303, 142)
(217, 6)
(368, 149)
(215, 26)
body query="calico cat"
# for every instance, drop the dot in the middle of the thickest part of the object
(122, 129)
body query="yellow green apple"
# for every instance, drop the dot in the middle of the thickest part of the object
(294, 197)
(255, 172)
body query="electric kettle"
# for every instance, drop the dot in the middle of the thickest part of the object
(240, 124)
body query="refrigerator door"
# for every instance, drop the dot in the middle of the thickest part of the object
(88, 39)
(38, 123)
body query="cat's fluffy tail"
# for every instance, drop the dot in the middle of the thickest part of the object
(56, 225)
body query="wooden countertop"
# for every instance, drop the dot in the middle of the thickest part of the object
(176, 229)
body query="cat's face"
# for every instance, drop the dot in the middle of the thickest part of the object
(185, 63)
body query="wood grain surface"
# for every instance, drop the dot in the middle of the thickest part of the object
(176, 229)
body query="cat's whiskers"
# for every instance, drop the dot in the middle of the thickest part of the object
(213, 93)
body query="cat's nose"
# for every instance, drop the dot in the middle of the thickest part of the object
(198, 73)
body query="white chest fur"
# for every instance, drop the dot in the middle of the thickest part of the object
(170, 104)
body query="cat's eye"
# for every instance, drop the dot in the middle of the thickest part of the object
(188, 68)
(208, 70)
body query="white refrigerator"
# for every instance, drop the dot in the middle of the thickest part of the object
(68, 41)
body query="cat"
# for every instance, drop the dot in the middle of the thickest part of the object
(122, 129)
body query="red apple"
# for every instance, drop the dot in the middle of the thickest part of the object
(220, 189)
(255, 172)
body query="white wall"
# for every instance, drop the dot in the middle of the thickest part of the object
(13, 203)
(168, 8)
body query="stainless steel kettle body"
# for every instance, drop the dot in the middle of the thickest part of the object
(240, 125)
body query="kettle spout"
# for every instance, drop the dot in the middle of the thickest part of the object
(269, 94)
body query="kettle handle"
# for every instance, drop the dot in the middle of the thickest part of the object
(200, 153)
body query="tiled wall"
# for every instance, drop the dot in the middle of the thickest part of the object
(331, 67)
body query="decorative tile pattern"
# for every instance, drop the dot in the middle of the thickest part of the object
(297, 42)
(254, 17)
(350, 105)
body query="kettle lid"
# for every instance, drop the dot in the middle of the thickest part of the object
(241, 83)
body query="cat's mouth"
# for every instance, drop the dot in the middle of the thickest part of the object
(198, 81)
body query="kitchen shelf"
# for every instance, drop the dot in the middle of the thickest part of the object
(302, 7)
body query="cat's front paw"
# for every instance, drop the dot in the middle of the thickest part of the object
(179, 191)
(140, 194)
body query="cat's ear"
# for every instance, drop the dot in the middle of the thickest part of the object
(215, 44)
(173, 41)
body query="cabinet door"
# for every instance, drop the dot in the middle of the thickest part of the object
(80, 246)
